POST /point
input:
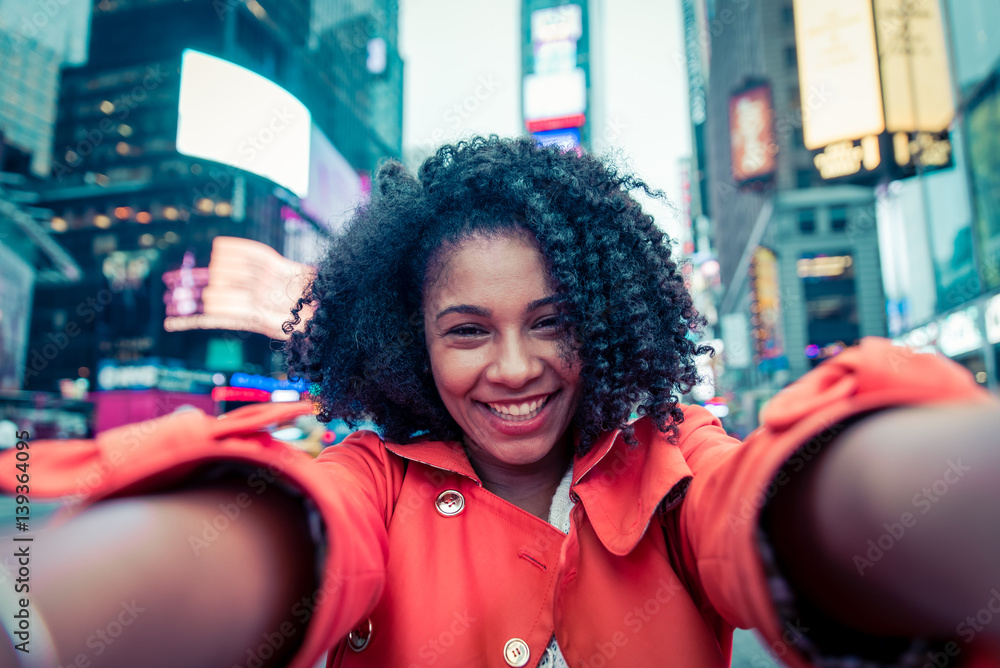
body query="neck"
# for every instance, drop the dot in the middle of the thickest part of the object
(527, 486)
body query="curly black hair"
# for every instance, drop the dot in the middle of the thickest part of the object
(631, 320)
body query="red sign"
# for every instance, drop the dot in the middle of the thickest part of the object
(558, 123)
(751, 132)
(240, 394)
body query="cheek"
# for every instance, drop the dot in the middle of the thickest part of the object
(455, 373)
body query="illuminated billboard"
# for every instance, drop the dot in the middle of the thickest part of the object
(875, 86)
(231, 115)
(552, 24)
(751, 131)
(567, 139)
(249, 287)
(334, 187)
(765, 306)
(913, 57)
(838, 71)
(555, 94)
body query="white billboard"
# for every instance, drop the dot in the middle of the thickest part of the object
(557, 23)
(838, 71)
(232, 115)
(913, 55)
(555, 95)
(334, 187)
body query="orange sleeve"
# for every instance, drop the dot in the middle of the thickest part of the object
(347, 494)
(720, 519)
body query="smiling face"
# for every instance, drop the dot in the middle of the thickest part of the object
(495, 343)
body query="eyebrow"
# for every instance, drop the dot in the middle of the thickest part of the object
(467, 309)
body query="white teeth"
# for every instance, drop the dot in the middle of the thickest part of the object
(518, 412)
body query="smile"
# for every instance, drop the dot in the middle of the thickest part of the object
(518, 412)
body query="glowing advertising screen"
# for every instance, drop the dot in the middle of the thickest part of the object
(250, 287)
(231, 115)
(149, 373)
(555, 94)
(551, 57)
(751, 131)
(913, 55)
(554, 24)
(838, 71)
(334, 187)
(960, 333)
(567, 139)
(765, 307)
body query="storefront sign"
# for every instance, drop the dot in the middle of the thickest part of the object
(993, 319)
(960, 333)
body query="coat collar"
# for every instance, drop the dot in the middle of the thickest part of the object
(620, 486)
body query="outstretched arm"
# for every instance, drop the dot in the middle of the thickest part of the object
(141, 582)
(895, 529)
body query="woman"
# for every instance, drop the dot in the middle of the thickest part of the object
(518, 330)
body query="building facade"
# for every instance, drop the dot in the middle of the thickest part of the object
(29, 84)
(946, 291)
(143, 219)
(799, 261)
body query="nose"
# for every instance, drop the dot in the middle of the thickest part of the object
(514, 362)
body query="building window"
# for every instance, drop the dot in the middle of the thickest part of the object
(838, 219)
(803, 178)
(807, 221)
(787, 16)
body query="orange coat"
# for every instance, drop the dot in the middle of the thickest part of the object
(430, 569)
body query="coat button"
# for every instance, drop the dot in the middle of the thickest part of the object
(516, 652)
(358, 638)
(450, 503)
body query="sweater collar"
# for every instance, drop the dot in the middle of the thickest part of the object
(620, 486)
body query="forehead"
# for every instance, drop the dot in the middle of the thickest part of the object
(481, 269)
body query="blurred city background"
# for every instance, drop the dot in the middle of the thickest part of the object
(169, 170)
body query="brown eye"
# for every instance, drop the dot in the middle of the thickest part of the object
(466, 331)
(548, 322)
